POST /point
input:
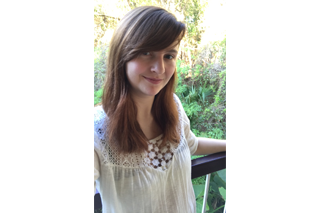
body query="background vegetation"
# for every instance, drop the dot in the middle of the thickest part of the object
(201, 69)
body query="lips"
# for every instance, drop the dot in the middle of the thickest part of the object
(153, 80)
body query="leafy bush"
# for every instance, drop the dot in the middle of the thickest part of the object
(216, 193)
(98, 96)
(100, 56)
(203, 100)
(202, 91)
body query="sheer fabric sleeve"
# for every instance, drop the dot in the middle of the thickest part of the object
(190, 137)
(96, 169)
(98, 118)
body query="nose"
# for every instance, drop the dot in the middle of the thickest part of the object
(158, 65)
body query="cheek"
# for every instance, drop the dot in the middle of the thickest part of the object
(134, 68)
(129, 72)
(171, 71)
(131, 68)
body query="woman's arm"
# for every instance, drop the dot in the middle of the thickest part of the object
(208, 146)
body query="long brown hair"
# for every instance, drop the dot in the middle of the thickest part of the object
(143, 29)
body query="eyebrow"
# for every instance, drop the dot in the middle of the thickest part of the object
(172, 51)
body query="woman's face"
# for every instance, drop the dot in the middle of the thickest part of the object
(149, 72)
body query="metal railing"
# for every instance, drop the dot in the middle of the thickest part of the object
(200, 167)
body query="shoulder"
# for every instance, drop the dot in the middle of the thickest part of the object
(100, 119)
(98, 114)
(177, 100)
(181, 111)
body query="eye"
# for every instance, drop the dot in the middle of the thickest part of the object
(146, 53)
(169, 57)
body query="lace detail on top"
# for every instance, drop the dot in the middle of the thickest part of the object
(154, 157)
(159, 159)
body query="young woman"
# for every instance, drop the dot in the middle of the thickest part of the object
(142, 138)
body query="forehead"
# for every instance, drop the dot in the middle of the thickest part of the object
(173, 47)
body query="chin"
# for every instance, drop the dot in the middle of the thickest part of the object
(152, 92)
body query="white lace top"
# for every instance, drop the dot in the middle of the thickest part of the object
(158, 181)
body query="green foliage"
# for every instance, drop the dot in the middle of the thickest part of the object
(219, 47)
(222, 174)
(219, 209)
(97, 96)
(223, 56)
(198, 190)
(202, 91)
(192, 109)
(217, 192)
(100, 57)
(223, 193)
(193, 11)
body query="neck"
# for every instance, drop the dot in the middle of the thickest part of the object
(144, 106)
